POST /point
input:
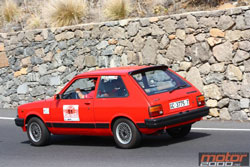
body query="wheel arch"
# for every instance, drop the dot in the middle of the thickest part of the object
(31, 116)
(119, 117)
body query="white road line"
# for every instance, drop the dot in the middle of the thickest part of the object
(220, 129)
(7, 118)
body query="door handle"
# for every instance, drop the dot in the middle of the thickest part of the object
(87, 103)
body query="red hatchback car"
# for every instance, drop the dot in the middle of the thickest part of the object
(125, 102)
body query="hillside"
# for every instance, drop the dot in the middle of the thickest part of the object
(19, 15)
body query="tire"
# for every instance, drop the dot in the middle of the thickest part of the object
(180, 131)
(37, 132)
(126, 135)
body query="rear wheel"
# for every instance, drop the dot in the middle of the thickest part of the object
(126, 134)
(180, 131)
(38, 133)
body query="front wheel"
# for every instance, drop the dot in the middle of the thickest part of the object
(180, 131)
(126, 134)
(38, 133)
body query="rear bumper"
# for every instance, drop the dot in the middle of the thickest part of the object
(175, 119)
(19, 122)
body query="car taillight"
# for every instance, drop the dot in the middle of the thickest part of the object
(155, 111)
(200, 100)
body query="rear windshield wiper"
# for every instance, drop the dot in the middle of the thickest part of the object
(177, 87)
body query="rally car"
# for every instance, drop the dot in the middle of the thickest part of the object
(124, 102)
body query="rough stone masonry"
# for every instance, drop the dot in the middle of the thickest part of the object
(210, 49)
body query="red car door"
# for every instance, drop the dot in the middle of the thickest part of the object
(72, 115)
(112, 99)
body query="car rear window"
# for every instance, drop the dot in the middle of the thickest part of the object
(158, 81)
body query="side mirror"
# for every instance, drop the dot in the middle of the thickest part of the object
(57, 96)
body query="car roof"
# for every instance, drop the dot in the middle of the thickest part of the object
(112, 71)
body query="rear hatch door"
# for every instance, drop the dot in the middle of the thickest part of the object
(163, 86)
(177, 101)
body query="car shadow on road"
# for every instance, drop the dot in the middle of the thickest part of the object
(103, 141)
(77, 140)
(165, 140)
(83, 140)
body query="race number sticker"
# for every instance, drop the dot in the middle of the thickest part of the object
(71, 112)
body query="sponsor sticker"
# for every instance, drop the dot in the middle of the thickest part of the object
(212, 159)
(109, 77)
(45, 110)
(71, 112)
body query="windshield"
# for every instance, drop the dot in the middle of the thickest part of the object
(158, 81)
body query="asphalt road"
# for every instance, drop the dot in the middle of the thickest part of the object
(15, 149)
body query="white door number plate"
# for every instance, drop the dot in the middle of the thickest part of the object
(179, 104)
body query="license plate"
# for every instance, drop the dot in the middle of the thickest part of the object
(179, 104)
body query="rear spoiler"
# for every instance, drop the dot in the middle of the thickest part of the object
(162, 67)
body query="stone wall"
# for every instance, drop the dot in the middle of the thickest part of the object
(210, 49)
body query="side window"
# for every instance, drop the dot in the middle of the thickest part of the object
(111, 87)
(80, 89)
